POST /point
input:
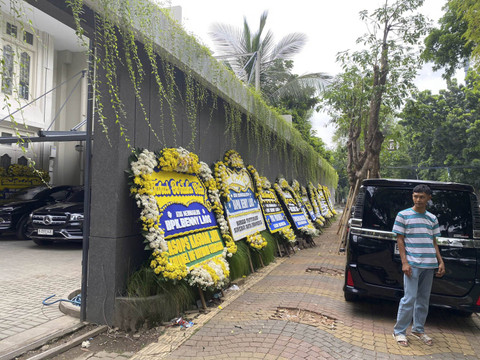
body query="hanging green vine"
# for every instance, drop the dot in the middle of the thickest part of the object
(233, 121)
(191, 107)
(134, 64)
(141, 21)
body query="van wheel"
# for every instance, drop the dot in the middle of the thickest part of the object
(350, 297)
(463, 313)
(42, 242)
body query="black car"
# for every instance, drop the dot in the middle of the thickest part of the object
(62, 221)
(14, 211)
(374, 268)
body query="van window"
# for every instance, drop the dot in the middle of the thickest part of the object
(452, 208)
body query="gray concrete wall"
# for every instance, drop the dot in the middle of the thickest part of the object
(116, 247)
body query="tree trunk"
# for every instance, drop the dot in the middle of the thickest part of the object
(367, 164)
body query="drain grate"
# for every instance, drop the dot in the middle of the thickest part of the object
(305, 317)
(325, 270)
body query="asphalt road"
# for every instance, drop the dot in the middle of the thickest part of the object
(30, 273)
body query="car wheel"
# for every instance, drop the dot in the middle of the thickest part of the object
(350, 297)
(42, 242)
(21, 231)
(463, 313)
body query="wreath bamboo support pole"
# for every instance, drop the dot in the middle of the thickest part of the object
(343, 232)
(348, 206)
(292, 247)
(202, 298)
(279, 250)
(286, 249)
(261, 259)
(347, 215)
(250, 261)
(344, 212)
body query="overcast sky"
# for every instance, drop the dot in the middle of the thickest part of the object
(331, 27)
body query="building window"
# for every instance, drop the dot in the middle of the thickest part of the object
(28, 37)
(5, 134)
(5, 161)
(22, 161)
(24, 81)
(16, 73)
(17, 62)
(7, 73)
(11, 30)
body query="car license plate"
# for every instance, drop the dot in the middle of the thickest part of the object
(395, 250)
(45, 231)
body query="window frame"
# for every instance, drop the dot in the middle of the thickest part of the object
(20, 48)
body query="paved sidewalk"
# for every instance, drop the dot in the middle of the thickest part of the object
(30, 273)
(291, 312)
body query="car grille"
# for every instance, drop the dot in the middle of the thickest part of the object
(74, 232)
(49, 220)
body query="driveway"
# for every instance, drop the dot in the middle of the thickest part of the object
(29, 274)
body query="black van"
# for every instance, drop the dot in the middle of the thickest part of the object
(374, 268)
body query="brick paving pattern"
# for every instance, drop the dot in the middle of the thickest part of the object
(30, 274)
(287, 312)
(22, 308)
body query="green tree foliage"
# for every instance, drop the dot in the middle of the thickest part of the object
(375, 81)
(302, 109)
(395, 159)
(320, 147)
(444, 131)
(289, 93)
(277, 75)
(347, 103)
(470, 10)
(235, 44)
(300, 105)
(447, 46)
(339, 162)
(241, 49)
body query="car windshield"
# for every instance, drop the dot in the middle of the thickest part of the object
(77, 196)
(452, 208)
(28, 194)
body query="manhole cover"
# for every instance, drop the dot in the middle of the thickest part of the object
(325, 270)
(305, 317)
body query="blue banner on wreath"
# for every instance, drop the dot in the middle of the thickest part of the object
(179, 219)
(274, 216)
(241, 202)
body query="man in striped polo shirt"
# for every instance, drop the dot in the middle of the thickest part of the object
(416, 229)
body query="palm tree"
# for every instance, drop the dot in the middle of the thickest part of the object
(245, 52)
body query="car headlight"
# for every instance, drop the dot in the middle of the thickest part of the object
(76, 217)
(6, 209)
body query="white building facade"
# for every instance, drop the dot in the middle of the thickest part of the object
(42, 74)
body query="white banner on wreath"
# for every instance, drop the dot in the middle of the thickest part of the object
(243, 211)
(246, 224)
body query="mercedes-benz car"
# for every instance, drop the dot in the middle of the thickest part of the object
(15, 211)
(62, 221)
